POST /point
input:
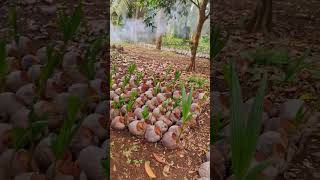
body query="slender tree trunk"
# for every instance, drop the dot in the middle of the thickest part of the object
(262, 19)
(196, 36)
(159, 42)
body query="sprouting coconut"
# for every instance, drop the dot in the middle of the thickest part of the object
(90, 162)
(153, 133)
(14, 163)
(118, 123)
(20, 118)
(26, 93)
(16, 79)
(41, 54)
(97, 123)
(79, 89)
(169, 140)
(102, 108)
(34, 72)
(84, 137)
(100, 87)
(43, 154)
(9, 103)
(165, 120)
(70, 60)
(138, 113)
(162, 125)
(27, 61)
(137, 128)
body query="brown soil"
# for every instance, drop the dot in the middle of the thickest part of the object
(129, 153)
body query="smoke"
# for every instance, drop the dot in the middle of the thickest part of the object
(180, 25)
(133, 30)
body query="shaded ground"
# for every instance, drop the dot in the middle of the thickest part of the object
(128, 153)
(296, 26)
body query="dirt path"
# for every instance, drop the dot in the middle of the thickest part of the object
(129, 153)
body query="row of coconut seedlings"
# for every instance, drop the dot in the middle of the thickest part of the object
(278, 132)
(154, 107)
(48, 130)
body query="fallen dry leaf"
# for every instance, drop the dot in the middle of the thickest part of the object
(166, 170)
(159, 158)
(149, 170)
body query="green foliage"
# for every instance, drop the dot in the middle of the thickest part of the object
(297, 66)
(24, 136)
(198, 81)
(245, 132)
(132, 67)
(177, 102)
(133, 95)
(227, 74)
(4, 67)
(170, 41)
(87, 67)
(139, 76)
(125, 81)
(129, 106)
(53, 61)
(217, 125)
(186, 105)
(217, 43)
(157, 89)
(69, 25)
(69, 127)
(265, 56)
(13, 22)
(145, 112)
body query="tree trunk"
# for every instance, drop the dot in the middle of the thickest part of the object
(196, 36)
(262, 19)
(159, 42)
(238, 4)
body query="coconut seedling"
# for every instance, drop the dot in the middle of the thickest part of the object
(69, 25)
(60, 144)
(87, 66)
(186, 102)
(245, 132)
(138, 77)
(132, 67)
(47, 71)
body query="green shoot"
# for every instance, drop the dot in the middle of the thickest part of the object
(125, 81)
(4, 67)
(69, 25)
(24, 136)
(113, 69)
(297, 66)
(145, 112)
(14, 23)
(177, 102)
(177, 76)
(217, 43)
(245, 133)
(129, 106)
(139, 76)
(133, 95)
(186, 102)
(87, 67)
(68, 129)
(157, 89)
(53, 61)
(132, 67)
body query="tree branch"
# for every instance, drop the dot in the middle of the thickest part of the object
(207, 16)
(193, 2)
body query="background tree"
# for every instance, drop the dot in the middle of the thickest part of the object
(203, 15)
(262, 18)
